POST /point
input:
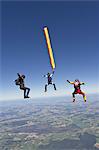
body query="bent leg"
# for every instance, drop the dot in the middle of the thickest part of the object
(54, 86)
(84, 96)
(23, 88)
(25, 93)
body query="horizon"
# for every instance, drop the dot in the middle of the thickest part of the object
(45, 98)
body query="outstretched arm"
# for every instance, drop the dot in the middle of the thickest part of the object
(52, 74)
(18, 75)
(70, 82)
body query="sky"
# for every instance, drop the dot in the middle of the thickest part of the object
(74, 32)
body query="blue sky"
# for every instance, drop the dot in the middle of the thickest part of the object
(74, 32)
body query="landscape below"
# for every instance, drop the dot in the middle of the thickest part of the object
(50, 124)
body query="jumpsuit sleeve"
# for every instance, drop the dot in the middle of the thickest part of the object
(71, 82)
(18, 75)
(51, 74)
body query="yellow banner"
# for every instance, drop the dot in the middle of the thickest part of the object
(50, 52)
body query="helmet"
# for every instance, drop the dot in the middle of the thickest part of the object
(23, 76)
(76, 80)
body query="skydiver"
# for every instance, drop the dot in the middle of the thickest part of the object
(20, 82)
(49, 80)
(77, 88)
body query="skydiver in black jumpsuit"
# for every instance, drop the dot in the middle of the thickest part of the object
(20, 82)
(49, 79)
